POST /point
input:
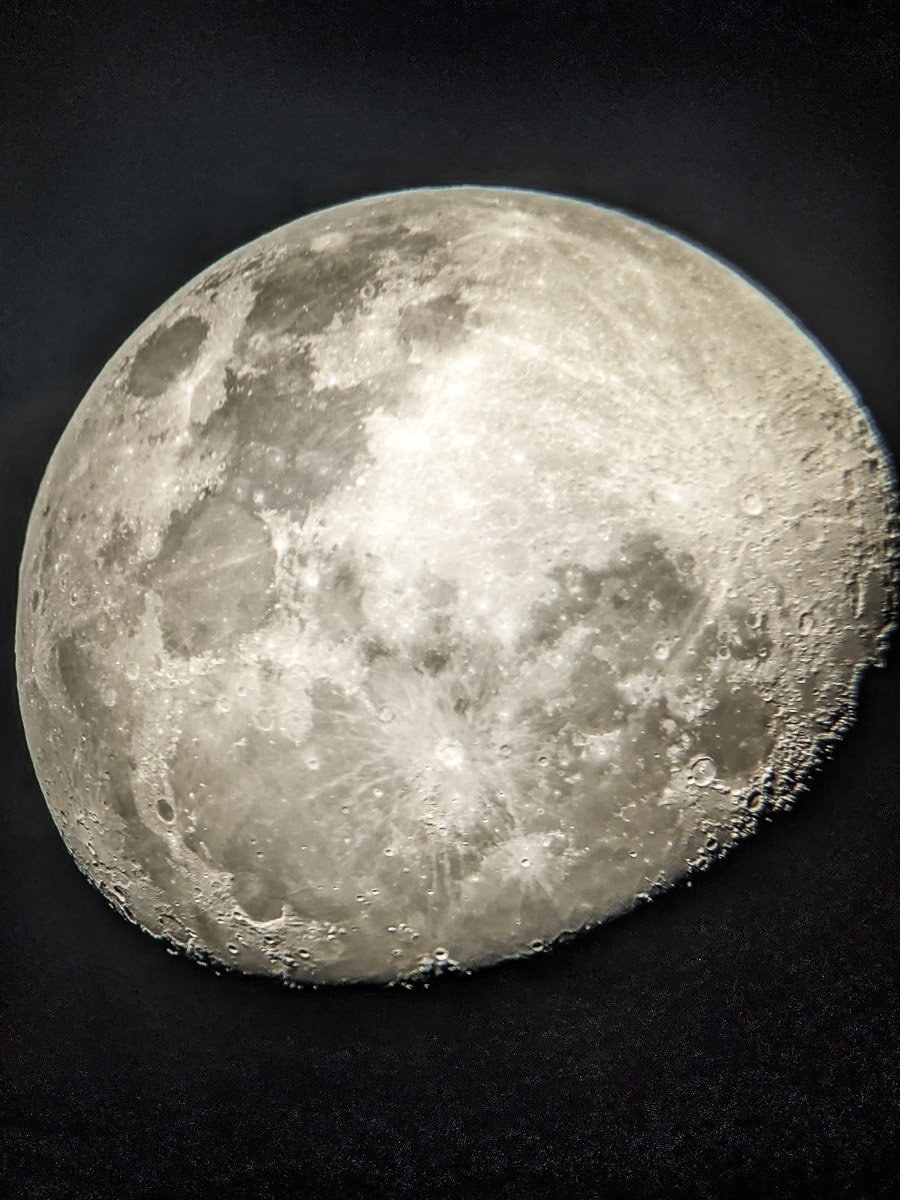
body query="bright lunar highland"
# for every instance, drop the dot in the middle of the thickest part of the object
(441, 573)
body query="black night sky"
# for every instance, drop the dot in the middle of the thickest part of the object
(736, 1038)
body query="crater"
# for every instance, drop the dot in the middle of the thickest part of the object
(166, 355)
(309, 289)
(439, 323)
(261, 896)
(291, 443)
(645, 591)
(736, 732)
(215, 575)
(339, 601)
(738, 631)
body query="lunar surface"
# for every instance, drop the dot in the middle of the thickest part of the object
(440, 574)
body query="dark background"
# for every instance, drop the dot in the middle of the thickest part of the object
(735, 1038)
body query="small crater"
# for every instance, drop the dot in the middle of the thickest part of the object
(755, 801)
(704, 771)
(450, 753)
(433, 659)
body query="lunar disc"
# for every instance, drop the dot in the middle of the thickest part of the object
(440, 573)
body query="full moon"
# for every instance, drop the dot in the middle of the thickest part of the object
(440, 574)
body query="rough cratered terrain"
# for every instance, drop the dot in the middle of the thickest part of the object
(437, 574)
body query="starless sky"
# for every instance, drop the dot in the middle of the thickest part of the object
(735, 1038)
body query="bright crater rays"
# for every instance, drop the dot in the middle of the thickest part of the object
(441, 573)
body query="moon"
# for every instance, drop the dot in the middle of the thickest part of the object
(440, 574)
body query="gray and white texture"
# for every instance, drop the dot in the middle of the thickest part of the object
(440, 573)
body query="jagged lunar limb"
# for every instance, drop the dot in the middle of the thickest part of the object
(439, 573)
